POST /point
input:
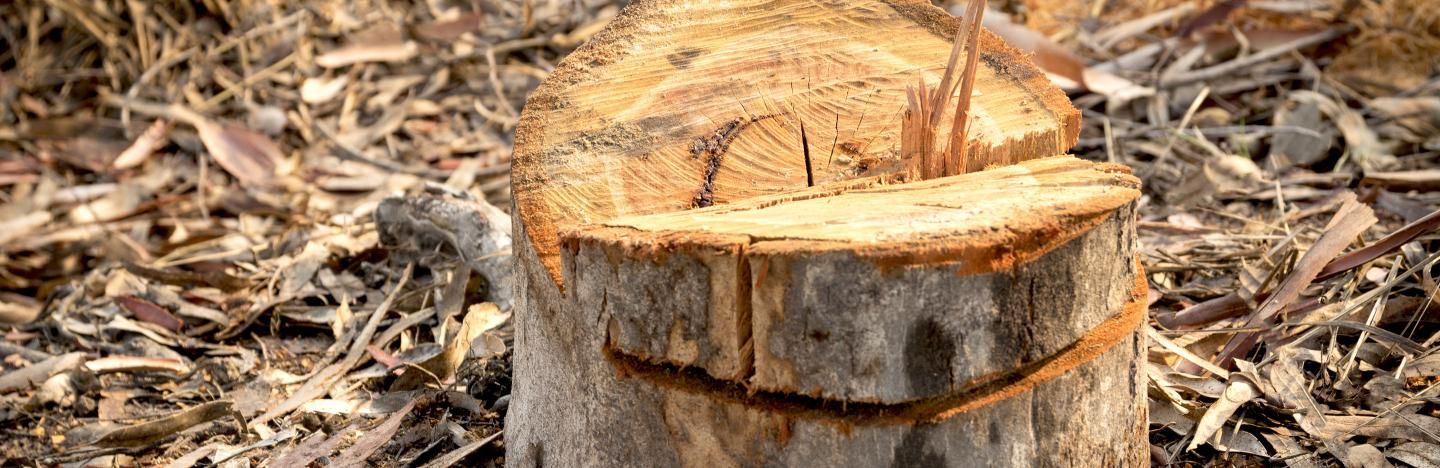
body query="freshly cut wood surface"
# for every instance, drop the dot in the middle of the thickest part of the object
(869, 291)
(973, 220)
(684, 104)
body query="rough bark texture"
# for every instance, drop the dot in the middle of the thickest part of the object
(574, 406)
(738, 334)
(883, 293)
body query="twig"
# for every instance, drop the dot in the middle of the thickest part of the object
(250, 81)
(450, 459)
(1233, 66)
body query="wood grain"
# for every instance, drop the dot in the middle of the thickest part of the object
(615, 129)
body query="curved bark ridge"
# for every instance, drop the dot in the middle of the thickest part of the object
(678, 105)
(866, 291)
(977, 394)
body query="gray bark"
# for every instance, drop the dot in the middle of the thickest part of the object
(571, 406)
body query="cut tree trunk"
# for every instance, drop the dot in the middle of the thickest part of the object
(686, 297)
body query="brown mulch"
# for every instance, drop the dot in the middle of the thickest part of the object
(198, 201)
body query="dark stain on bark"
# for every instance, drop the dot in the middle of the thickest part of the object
(928, 348)
(913, 453)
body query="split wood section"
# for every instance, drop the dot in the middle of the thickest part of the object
(988, 320)
(867, 292)
(721, 261)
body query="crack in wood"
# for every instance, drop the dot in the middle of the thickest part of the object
(978, 393)
(805, 145)
(713, 147)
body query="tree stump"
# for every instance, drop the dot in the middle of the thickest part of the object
(721, 261)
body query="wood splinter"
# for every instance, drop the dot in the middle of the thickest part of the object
(926, 106)
(801, 314)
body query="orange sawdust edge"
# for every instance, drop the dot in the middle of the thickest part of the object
(967, 253)
(985, 391)
(529, 168)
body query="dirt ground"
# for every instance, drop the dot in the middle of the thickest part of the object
(204, 260)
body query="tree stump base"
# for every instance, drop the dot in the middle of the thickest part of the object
(685, 299)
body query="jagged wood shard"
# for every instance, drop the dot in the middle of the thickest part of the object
(687, 297)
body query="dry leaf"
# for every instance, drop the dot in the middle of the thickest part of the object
(29, 376)
(19, 227)
(1203, 386)
(489, 345)
(1416, 453)
(15, 311)
(1048, 55)
(95, 151)
(459, 454)
(1061, 63)
(1240, 442)
(320, 90)
(1288, 449)
(449, 30)
(83, 193)
(384, 358)
(1366, 456)
(1113, 35)
(1408, 427)
(147, 311)
(382, 44)
(1348, 222)
(1409, 119)
(1362, 143)
(1240, 391)
(343, 316)
(269, 120)
(120, 203)
(1393, 241)
(479, 319)
(112, 404)
(143, 434)
(1231, 174)
(355, 455)
(298, 273)
(1215, 14)
(249, 156)
(1288, 385)
(1425, 366)
(1170, 417)
(59, 390)
(317, 445)
(171, 300)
